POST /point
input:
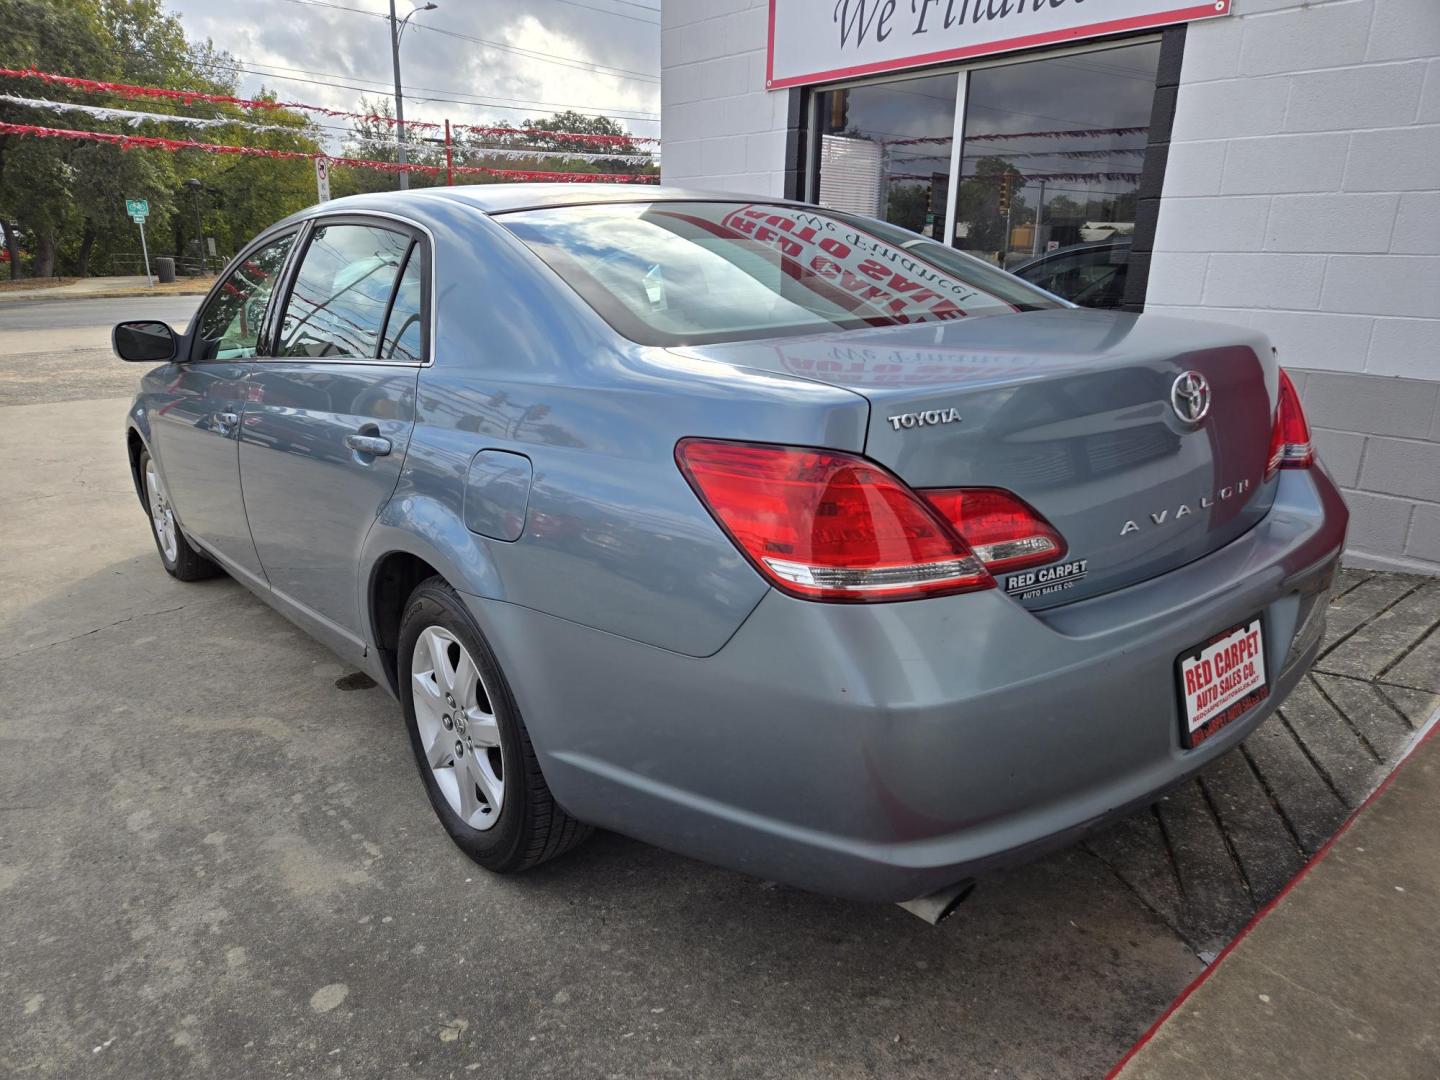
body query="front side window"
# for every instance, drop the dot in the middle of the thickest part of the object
(690, 273)
(342, 292)
(229, 326)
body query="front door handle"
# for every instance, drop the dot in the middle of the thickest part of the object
(375, 445)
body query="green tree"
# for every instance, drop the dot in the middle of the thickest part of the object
(37, 179)
(375, 140)
(65, 199)
(978, 204)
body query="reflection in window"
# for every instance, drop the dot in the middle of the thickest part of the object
(672, 273)
(1091, 274)
(885, 151)
(1052, 158)
(229, 327)
(337, 305)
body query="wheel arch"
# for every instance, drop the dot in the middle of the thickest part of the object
(393, 577)
(136, 445)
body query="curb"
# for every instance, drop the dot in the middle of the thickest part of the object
(47, 295)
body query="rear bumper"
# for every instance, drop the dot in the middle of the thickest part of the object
(883, 752)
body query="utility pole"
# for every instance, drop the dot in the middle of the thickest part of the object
(194, 186)
(397, 28)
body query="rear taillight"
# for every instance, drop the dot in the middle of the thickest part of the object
(1290, 437)
(1003, 531)
(826, 525)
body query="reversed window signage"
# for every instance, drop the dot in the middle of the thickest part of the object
(812, 42)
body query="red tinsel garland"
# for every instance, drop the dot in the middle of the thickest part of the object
(563, 136)
(151, 142)
(187, 97)
(1073, 133)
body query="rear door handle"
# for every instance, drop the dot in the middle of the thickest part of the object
(375, 445)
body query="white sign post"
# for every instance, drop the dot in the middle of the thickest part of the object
(817, 42)
(139, 210)
(322, 179)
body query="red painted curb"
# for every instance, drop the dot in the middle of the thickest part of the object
(1323, 850)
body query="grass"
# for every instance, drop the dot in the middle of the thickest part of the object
(191, 286)
(27, 283)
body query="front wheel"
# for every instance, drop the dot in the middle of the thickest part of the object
(475, 758)
(182, 561)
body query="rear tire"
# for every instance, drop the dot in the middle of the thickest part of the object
(182, 561)
(475, 758)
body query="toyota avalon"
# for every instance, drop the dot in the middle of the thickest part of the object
(773, 535)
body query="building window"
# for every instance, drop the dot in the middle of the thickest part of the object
(884, 150)
(1050, 156)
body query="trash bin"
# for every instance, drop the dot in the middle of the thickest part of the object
(165, 270)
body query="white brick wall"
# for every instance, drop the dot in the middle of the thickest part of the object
(722, 130)
(1302, 191)
(1302, 197)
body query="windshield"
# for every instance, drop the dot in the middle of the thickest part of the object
(693, 273)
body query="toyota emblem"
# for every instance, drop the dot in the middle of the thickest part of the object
(1190, 397)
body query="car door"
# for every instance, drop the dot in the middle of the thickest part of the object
(196, 420)
(328, 417)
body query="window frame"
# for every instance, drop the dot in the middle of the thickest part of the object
(810, 182)
(420, 238)
(262, 344)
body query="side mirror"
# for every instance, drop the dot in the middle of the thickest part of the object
(144, 341)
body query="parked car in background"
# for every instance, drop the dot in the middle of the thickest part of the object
(1091, 274)
(777, 536)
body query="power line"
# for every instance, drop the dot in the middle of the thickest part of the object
(617, 14)
(549, 58)
(381, 87)
(610, 70)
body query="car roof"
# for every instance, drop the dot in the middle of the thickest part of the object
(501, 198)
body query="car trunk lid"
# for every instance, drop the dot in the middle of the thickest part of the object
(1072, 410)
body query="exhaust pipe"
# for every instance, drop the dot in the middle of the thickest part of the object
(939, 905)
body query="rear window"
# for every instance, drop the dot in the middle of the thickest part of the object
(694, 273)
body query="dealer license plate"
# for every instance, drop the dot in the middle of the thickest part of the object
(1221, 680)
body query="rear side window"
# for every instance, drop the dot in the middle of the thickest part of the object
(404, 339)
(690, 273)
(342, 292)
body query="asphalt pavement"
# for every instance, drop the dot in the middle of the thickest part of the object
(94, 315)
(216, 860)
(59, 350)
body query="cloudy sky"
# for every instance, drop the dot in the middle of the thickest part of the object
(474, 61)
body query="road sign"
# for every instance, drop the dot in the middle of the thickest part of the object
(322, 179)
(139, 210)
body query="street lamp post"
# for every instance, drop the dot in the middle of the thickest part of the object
(194, 186)
(397, 28)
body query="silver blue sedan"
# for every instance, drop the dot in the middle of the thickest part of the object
(774, 535)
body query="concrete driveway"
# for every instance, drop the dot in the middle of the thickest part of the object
(216, 860)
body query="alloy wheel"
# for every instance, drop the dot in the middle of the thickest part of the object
(162, 517)
(457, 727)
